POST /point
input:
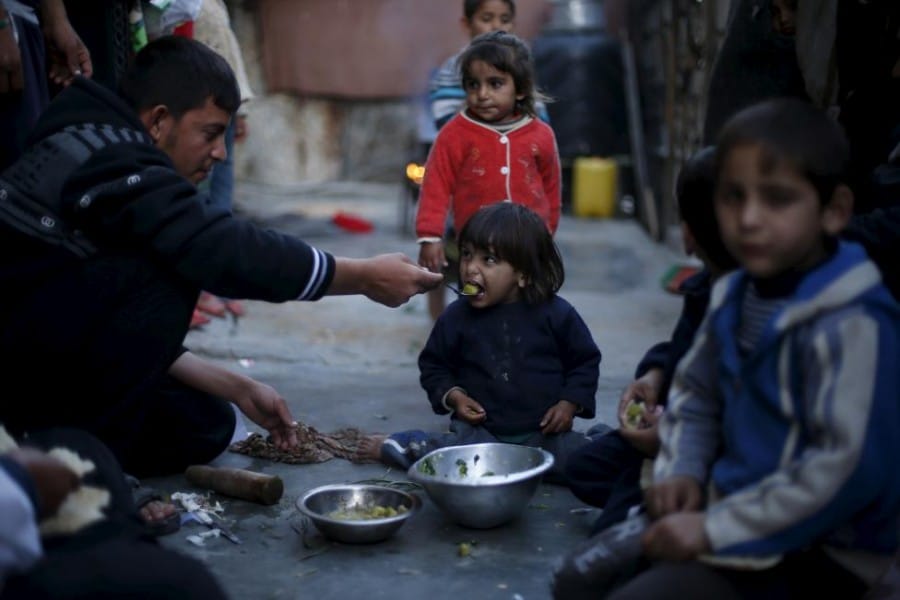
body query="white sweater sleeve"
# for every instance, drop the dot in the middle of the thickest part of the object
(20, 542)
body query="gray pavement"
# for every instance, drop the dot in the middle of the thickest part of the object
(346, 362)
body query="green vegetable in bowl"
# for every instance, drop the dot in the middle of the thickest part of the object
(427, 467)
(364, 513)
(463, 468)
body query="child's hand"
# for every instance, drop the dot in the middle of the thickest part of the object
(466, 408)
(646, 388)
(559, 418)
(673, 495)
(431, 256)
(680, 536)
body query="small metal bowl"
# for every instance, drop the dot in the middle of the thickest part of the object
(318, 503)
(482, 485)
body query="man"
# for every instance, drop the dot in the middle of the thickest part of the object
(105, 245)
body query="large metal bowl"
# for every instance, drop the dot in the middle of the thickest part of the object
(318, 503)
(482, 485)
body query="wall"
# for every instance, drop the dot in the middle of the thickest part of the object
(334, 80)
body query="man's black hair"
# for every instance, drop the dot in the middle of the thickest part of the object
(791, 130)
(180, 73)
(695, 191)
(516, 234)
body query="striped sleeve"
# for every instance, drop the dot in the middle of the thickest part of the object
(841, 470)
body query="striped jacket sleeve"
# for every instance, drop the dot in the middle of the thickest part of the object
(849, 368)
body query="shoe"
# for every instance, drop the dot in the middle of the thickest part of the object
(211, 305)
(198, 319)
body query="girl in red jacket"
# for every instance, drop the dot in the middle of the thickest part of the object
(496, 150)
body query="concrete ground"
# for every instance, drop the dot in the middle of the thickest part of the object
(346, 362)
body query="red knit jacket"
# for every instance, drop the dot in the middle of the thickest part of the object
(472, 165)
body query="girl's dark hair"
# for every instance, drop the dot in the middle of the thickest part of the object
(470, 7)
(516, 234)
(509, 54)
(180, 73)
(695, 191)
(788, 129)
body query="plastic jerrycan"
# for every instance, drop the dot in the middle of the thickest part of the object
(594, 187)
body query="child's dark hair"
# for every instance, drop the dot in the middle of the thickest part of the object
(470, 7)
(180, 73)
(695, 191)
(789, 129)
(516, 234)
(509, 54)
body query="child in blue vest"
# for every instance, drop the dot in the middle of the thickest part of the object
(777, 473)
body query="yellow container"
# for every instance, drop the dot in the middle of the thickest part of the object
(594, 187)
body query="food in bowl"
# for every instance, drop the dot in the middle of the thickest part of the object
(358, 513)
(361, 513)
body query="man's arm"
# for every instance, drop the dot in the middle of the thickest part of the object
(11, 76)
(389, 279)
(260, 402)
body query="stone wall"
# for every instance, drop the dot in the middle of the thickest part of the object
(294, 140)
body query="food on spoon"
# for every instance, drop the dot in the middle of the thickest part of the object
(463, 468)
(471, 289)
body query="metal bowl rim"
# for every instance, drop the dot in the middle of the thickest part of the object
(484, 481)
(415, 505)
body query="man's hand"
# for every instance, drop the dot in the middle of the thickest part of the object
(466, 408)
(559, 417)
(676, 537)
(11, 77)
(52, 479)
(431, 256)
(67, 54)
(673, 495)
(265, 407)
(389, 279)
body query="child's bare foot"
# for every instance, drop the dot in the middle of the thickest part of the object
(369, 449)
(158, 515)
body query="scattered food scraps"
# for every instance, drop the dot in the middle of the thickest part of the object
(464, 550)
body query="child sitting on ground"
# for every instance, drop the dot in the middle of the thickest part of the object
(513, 362)
(606, 471)
(494, 151)
(785, 409)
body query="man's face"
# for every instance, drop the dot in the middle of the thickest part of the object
(196, 141)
